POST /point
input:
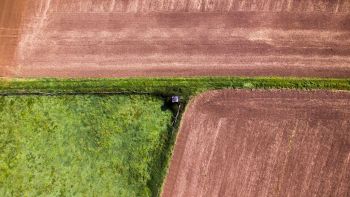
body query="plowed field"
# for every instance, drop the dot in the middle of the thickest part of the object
(263, 143)
(110, 38)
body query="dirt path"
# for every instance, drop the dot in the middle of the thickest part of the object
(263, 143)
(109, 38)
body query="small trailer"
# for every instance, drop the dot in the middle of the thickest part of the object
(175, 99)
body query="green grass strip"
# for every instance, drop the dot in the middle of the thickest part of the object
(164, 86)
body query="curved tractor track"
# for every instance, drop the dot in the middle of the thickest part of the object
(112, 38)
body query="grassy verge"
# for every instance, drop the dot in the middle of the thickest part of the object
(163, 86)
(127, 137)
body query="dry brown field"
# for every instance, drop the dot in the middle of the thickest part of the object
(10, 22)
(263, 143)
(120, 38)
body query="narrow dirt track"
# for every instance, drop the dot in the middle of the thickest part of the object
(110, 38)
(263, 143)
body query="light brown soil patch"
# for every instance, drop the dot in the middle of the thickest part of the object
(263, 143)
(10, 22)
(110, 38)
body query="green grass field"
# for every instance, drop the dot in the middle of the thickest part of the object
(82, 145)
(102, 137)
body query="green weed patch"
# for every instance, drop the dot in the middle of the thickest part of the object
(85, 145)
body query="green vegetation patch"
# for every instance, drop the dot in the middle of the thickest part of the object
(164, 86)
(87, 145)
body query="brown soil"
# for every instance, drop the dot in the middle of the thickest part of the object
(10, 21)
(263, 143)
(110, 38)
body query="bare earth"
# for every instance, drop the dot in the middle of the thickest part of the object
(263, 143)
(123, 38)
(10, 21)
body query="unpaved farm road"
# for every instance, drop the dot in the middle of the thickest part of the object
(263, 143)
(123, 38)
